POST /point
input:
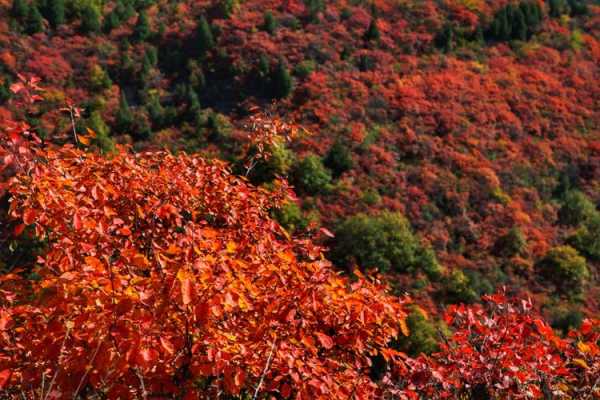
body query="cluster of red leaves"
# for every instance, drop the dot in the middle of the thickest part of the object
(16, 138)
(504, 350)
(260, 134)
(164, 275)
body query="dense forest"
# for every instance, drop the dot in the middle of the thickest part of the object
(299, 199)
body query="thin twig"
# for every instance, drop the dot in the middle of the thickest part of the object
(43, 383)
(62, 348)
(87, 370)
(73, 124)
(141, 378)
(262, 377)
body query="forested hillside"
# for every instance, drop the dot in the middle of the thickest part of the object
(346, 152)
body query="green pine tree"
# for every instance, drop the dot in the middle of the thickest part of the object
(227, 7)
(269, 24)
(282, 81)
(90, 19)
(205, 40)
(102, 139)
(519, 28)
(141, 31)
(445, 39)
(372, 33)
(156, 111)
(193, 101)
(56, 12)
(111, 21)
(152, 55)
(556, 8)
(5, 92)
(34, 22)
(124, 119)
(314, 7)
(20, 9)
(196, 77)
(505, 23)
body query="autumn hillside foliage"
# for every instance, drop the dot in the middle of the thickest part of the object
(164, 276)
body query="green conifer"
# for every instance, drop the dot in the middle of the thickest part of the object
(56, 12)
(205, 40)
(519, 28)
(20, 9)
(90, 19)
(34, 22)
(141, 31)
(269, 23)
(124, 119)
(282, 81)
(372, 33)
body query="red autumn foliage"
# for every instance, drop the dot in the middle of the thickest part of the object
(165, 275)
(503, 349)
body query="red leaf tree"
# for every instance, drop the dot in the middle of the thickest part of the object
(165, 276)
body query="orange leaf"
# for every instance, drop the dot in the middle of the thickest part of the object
(140, 261)
(404, 327)
(84, 139)
(581, 362)
(94, 263)
(125, 231)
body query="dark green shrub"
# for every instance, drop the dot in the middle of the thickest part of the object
(587, 238)
(303, 69)
(566, 318)
(384, 241)
(102, 140)
(293, 219)
(456, 288)
(90, 19)
(424, 334)
(511, 244)
(576, 209)
(278, 164)
(339, 158)
(564, 267)
(99, 79)
(310, 176)
(281, 79)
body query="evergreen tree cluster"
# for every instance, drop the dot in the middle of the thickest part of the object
(515, 22)
(31, 15)
(275, 82)
(123, 10)
(556, 8)
(512, 22)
